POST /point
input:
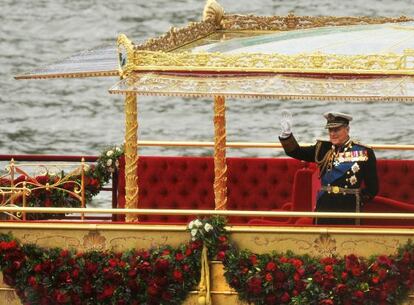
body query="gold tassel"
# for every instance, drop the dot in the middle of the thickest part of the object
(204, 297)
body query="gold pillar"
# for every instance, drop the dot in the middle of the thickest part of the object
(131, 156)
(220, 166)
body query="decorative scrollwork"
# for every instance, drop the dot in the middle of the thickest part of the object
(293, 22)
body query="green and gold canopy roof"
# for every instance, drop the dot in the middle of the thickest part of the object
(290, 57)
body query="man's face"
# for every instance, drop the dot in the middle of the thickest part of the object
(338, 135)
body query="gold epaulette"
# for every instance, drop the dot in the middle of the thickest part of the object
(360, 144)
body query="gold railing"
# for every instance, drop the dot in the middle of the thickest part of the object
(257, 145)
(15, 209)
(15, 191)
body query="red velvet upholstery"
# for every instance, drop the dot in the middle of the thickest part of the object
(256, 184)
(187, 183)
(396, 192)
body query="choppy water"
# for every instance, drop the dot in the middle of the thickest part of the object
(80, 117)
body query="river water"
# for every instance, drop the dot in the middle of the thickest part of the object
(79, 116)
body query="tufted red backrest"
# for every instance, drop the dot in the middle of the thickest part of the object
(187, 183)
(396, 179)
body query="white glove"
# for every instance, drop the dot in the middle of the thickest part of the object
(286, 124)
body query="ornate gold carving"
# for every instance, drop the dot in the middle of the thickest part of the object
(125, 55)
(94, 241)
(293, 22)
(310, 63)
(131, 155)
(213, 10)
(51, 240)
(177, 37)
(325, 245)
(220, 166)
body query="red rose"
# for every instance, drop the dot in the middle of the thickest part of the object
(37, 268)
(179, 256)
(186, 268)
(341, 288)
(108, 291)
(178, 275)
(375, 279)
(112, 262)
(271, 266)
(166, 252)
(32, 281)
(61, 297)
(329, 269)
(4, 245)
(91, 268)
(188, 252)
(268, 277)
(161, 265)
(356, 271)
(75, 273)
(17, 265)
(297, 263)
(152, 289)
(359, 294)
(254, 285)
(344, 276)
(285, 297)
(253, 259)
(221, 255)
(283, 259)
(222, 239)
(132, 273)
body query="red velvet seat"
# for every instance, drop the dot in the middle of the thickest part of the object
(187, 183)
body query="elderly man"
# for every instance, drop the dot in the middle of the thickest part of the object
(347, 169)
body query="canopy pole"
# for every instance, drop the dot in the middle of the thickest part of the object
(131, 156)
(220, 166)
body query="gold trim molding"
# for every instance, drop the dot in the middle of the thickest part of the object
(310, 63)
(293, 22)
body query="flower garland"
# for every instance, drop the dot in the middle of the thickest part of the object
(54, 276)
(165, 275)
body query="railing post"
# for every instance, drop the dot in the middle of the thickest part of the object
(83, 187)
(220, 166)
(24, 200)
(131, 156)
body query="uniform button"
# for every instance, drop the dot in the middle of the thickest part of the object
(348, 172)
(346, 186)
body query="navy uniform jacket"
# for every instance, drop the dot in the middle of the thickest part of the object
(351, 166)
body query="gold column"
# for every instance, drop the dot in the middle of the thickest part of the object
(131, 156)
(220, 166)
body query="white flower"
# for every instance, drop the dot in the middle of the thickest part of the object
(109, 162)
(198, 223)
(355, 168)
(353, 180)
(118, 149)
(109, 153)
(191, 224)
(194, 232)
(208, 227)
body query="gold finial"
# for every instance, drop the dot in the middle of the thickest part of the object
(213, 10)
